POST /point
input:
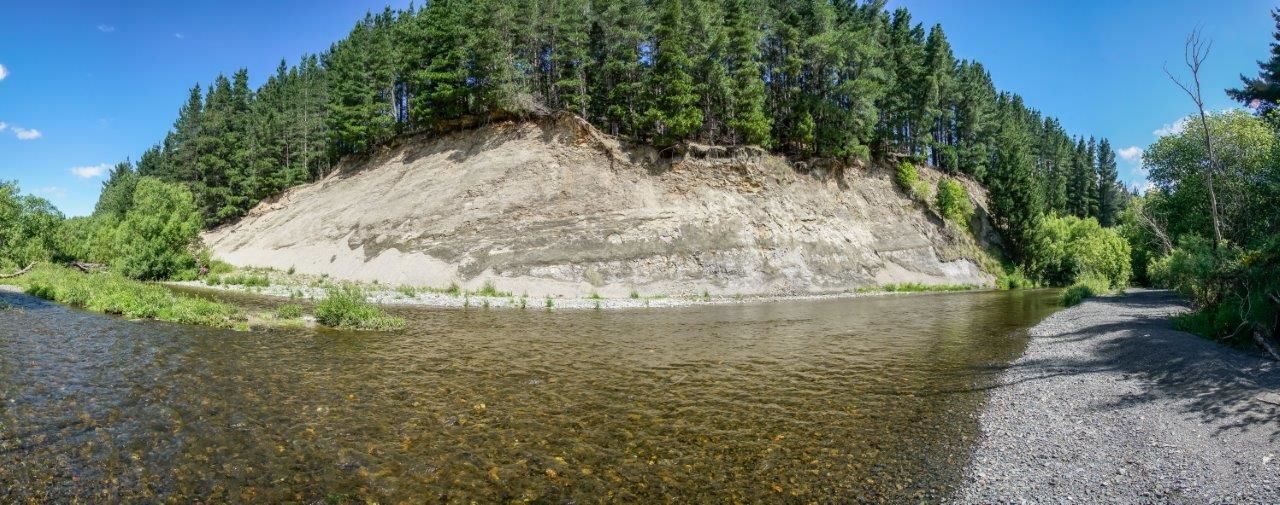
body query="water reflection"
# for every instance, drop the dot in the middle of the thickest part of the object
(806, 401)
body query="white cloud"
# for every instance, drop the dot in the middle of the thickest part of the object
(90, 172)
(1131, 154)
(179, 35)
(106, 28)
(4, 72)
(26, 134)
(52, 191)
(3, 125)
(1173, 128)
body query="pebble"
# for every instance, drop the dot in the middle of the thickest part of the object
(1108, 383)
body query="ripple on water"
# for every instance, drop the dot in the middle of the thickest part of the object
(867, 399)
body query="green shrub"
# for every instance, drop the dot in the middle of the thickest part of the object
(1064, 250)
(1014, 278)
(346, 308)
(154, 240)
(906, 176)
(953, 201)
(407, 291)
(29, 228)
(1087, 287)
(289, 311)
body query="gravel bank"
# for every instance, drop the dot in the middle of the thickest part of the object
(390, 296)
(1109, 404)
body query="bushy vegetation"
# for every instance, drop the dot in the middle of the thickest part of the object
(1085, 287)
(953, 201)
(156, 238)
(907, 176)
(112, 293)
(1066, 250)
(1209, 226)
(346, 307)
(289, 311)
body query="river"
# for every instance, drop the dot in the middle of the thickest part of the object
(859, 399)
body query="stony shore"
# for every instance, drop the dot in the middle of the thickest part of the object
(386, 295)
(1110, 404)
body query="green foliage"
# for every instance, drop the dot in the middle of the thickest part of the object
(155, 238)
(1246, 179)
(953, 201)
(289, 311)
(1088, 286)
(906, 176)
(345, 307)
(248, 280)
(916, 287)
(1263, 91)
(111, 293)
(1065, 250)
(1014, 278)
(29, 228)
(488, 289)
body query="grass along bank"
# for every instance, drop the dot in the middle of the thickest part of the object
(298, 286)
(111, 293)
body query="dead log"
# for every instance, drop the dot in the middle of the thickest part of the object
(88, 268)
(19, 272)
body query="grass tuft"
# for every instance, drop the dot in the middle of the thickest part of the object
(346, 308)
(111, 293)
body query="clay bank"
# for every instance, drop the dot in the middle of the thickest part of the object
(553, 207)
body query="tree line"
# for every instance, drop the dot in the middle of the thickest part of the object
(827, 79)
(1209, 226)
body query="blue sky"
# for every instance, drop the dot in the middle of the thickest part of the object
(86, 84)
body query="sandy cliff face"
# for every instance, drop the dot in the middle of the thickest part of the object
(554, 207)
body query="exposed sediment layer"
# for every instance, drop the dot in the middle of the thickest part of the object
(554, 207)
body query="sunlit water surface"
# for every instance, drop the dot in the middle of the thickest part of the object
(867, 399)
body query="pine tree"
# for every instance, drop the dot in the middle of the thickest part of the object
(1262, 92)
(746, 114)
(975, 113)
(672, 112)
(937, 93)
(620, 30)
(570, 57)
(1014, 199)
(1110, 193)
(117, 192)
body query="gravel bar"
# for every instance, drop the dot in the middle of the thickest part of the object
(1110, 404)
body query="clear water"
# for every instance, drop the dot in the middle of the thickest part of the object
(866, 399)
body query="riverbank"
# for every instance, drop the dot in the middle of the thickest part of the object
(1109, 404)
(298, 286)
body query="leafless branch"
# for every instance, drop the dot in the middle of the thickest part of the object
(1195, 52)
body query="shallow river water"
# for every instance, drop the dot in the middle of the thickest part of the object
(863, 399)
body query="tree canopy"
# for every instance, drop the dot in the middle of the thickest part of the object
(840, 81)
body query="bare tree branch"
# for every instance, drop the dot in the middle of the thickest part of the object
(1195, 52)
